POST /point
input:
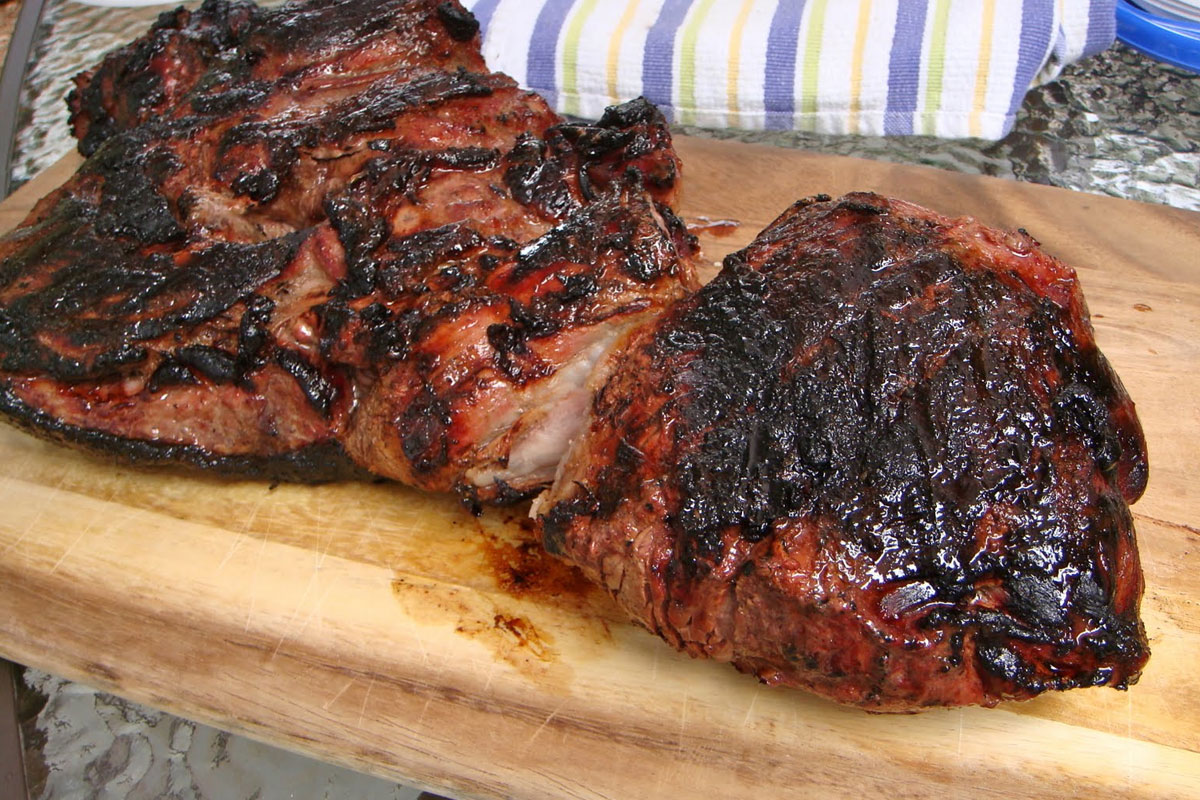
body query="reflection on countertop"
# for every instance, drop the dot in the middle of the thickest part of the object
(83, 743)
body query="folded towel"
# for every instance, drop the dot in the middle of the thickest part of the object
(950, 68)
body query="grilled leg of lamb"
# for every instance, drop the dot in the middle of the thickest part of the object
(878, 457)
(325, 202)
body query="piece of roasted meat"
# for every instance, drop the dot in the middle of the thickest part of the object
(228, 53)
(879, 457)
(321, 241)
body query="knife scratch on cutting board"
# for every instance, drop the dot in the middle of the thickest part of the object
(84, 531)
(286, 630)
(243, 531)
(553, 713)
(254, 586)
(750, 709)
(362, 712)
(325, 706)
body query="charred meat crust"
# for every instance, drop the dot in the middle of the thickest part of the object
(100, 304)
(880, 457)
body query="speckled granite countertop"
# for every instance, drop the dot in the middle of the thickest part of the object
(1117, 124)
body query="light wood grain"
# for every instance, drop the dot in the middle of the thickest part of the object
(379, 627)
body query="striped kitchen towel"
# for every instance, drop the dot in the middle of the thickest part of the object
(950, 68)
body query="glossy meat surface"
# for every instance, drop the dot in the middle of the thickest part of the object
(228, 53)
(327, 190)
(878, 457)
(489, 346)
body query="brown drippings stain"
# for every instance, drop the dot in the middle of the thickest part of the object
(523, 633)
(511, 638)
(96, 669)
(529, 606)
(1141, 307)
(514, 639)
(716, 227)
(524, 569)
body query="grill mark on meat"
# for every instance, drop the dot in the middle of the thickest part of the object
(319, 391)
(253, 335)
(211, 362)
(98, 302)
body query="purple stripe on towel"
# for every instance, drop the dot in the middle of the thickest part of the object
(658, 59)
(1102, 26)
(904, 68)
(1037, 19)
(779, 84)
(541, 74)
(483, 12)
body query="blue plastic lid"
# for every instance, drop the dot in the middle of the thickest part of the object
(1173, 41)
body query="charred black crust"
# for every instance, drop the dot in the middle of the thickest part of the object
(131, 204)
(320, 392)
(904, 451)
(507, 341)
(210, 362)
(261, 186)
(536, 179)
(412, 255)
(219, 102)
(320, 462)
(103, 300)
(362, 230)
(379, 106)
(424, 429)
(499, 493)
(563, 515)
(638, 111)
(460, 23)
(254, 337)
(538, 170)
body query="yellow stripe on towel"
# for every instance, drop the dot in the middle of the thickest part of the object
(735, 58)
(810, 84)
(856, 67)
(687, 63)
(570, 57)
(614, 47)
(936, 67)
(983, 71)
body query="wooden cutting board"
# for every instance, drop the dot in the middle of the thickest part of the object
(390, 631)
